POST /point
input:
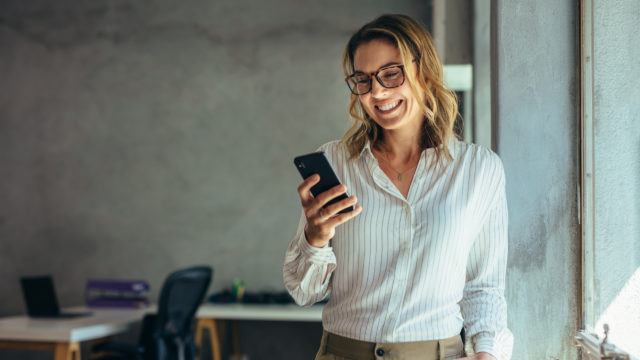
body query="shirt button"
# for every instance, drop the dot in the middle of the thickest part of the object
(380, 352)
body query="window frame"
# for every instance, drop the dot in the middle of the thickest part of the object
(586, 338)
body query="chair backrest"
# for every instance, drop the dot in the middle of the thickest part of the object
(181, 295)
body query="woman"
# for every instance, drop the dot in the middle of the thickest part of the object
(423, 254)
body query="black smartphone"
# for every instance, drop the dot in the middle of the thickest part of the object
(317, 163)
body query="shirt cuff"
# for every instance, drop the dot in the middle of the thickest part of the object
(322, 255)
(485, 342)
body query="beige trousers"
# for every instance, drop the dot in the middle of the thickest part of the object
(335, 347)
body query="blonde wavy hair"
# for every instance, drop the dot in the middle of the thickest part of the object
(440, 105)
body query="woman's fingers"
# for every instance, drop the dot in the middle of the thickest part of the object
(322, 221)
(334, 209)
(322, 199)
(304, 189)
(342, 218)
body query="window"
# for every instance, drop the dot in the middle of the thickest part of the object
(609, 187)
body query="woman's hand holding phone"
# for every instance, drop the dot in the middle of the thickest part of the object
(322, 221)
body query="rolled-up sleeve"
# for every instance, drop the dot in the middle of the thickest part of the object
(483, 305)
(307, 269)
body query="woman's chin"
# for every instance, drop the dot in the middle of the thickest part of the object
(395, 120)
(391, 123)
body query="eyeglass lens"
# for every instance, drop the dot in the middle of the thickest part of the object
(389, 77)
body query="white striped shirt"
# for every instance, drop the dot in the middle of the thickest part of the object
(412, 269)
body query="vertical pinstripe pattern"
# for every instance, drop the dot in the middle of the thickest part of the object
(412, 269)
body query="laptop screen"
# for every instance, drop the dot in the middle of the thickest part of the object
(40, 296)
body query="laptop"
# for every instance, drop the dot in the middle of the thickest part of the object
(40, 298)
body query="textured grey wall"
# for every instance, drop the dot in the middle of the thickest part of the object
(616, 111)
(137, 137)
(482, 63)
(537, 140)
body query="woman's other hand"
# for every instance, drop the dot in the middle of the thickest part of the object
(322, 221)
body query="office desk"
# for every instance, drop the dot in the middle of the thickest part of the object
(209, 314)
(63, 336)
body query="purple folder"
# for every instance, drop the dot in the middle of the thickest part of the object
(117, 293)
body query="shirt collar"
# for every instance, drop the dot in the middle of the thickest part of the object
(366, 149)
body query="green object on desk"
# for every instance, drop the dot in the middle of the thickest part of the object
(237, 289)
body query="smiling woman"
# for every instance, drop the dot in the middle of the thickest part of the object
(423, 254)
(395, 46)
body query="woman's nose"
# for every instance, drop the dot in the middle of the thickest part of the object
(377, 90)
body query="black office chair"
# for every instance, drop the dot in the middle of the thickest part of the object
(168, 334)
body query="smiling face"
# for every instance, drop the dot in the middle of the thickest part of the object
(391, 108)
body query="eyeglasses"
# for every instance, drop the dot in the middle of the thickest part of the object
(389, 77)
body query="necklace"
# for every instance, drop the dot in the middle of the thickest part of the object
(398, 173)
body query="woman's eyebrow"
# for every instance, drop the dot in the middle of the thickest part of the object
(383, 66)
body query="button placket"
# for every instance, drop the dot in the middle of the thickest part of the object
(381, 179)
(408, 240)
(400, 273)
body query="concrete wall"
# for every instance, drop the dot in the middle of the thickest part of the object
(482, 120)
(453, 30)
(537, 140)
(616, 112)
(137, 137)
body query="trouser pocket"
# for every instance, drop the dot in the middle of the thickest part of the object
(451, 348)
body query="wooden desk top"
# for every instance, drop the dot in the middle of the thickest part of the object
(264, 312)
(106, 322)
(101, 323)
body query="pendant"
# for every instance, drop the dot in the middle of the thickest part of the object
(399, 177)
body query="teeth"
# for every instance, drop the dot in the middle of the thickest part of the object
(389, 106)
